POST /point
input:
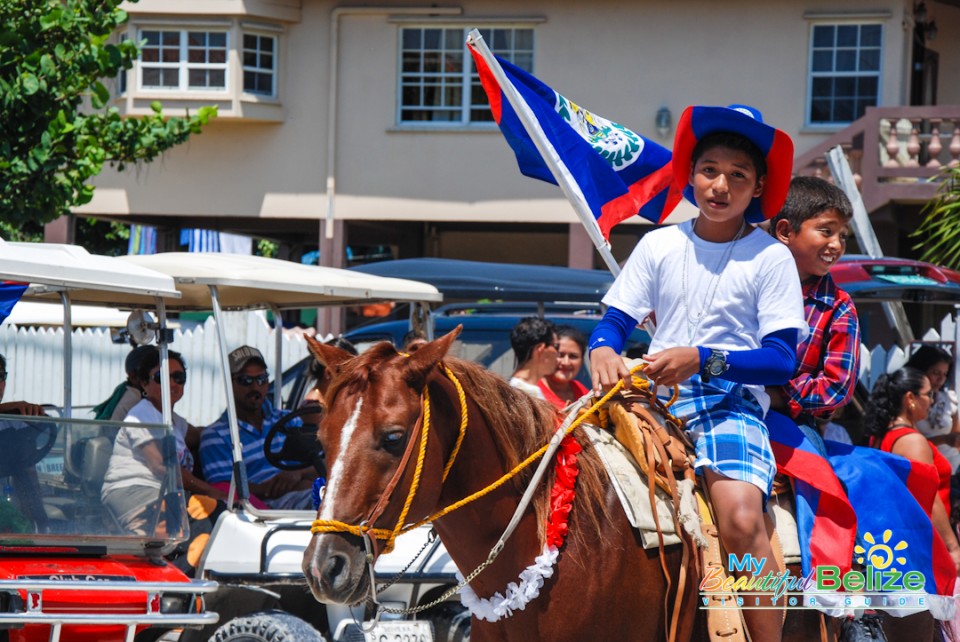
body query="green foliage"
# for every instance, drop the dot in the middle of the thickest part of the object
(56, 128)
(939, 232)
(267, 248)
(108, 238)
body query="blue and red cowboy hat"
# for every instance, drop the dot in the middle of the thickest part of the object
(776, 146)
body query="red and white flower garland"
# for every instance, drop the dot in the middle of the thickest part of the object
(519, 595)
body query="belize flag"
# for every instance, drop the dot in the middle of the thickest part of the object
(618, 172)
(10, 293)
(826, 522)
(893, 497)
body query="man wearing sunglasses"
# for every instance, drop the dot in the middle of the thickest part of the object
(270, 486)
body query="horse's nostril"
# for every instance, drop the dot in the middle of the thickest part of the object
(333, 569)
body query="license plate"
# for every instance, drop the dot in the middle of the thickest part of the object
(400, 631)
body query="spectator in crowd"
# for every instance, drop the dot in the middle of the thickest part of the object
(942, 426)
(128, 393)
(21, 439)
(134, 485)
(536, 348)
(562, 388)
(269, 486)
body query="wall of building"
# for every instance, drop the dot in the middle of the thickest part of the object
(622, 60)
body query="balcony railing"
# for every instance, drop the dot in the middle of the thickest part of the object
(894, 152)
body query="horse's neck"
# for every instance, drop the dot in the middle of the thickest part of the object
(471, 531)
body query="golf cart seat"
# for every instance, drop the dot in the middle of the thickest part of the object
(85, 465)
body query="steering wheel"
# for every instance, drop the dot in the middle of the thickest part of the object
(300, 445)
(25, 444)
(40, 431)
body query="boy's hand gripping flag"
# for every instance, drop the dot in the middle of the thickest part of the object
(10, 293)
(618, 172)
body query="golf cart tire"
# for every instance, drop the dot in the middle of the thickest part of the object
(270, 626)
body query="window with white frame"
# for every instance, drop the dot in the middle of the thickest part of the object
(438, 80)
(259, 64)
(183, 60)
(845, 61)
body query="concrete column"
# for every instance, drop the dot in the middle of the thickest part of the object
(580, 248)
(60, 230)
(332, 254)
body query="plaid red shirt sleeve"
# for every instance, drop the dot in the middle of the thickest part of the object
(829, 359)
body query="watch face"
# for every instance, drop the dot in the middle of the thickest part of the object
(716, 368)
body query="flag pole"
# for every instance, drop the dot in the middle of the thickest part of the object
(570, 189)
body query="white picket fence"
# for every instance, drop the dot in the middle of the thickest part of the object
(35, 362)
(875, 362)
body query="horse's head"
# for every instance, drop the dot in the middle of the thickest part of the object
(373, 409)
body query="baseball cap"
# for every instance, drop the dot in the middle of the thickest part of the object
(243, 355)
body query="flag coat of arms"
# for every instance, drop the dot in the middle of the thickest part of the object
(618, 172)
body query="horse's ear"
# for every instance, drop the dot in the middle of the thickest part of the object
(329, 356)
(429, 355)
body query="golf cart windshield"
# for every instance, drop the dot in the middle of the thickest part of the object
(89, 485)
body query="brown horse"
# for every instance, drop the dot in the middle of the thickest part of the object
(605, 585)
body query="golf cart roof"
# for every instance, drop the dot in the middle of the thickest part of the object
(896, 279)
(50, 268)
(502, 281)
(254, 281)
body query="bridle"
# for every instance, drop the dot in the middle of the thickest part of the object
(418, 438)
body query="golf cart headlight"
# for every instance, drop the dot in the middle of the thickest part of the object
(174, 604)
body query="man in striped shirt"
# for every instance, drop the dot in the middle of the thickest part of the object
(278, 489)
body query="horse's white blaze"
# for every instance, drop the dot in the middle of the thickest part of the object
(333, 484)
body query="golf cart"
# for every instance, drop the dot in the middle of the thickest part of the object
(68, 568)
(255, 554)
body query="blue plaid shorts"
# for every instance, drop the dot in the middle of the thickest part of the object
(725, 423)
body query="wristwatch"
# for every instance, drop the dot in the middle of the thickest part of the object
(714, 366)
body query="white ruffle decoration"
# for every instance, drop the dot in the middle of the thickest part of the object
(518, 596)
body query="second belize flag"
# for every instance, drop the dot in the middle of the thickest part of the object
(10, 293)
(619, 172)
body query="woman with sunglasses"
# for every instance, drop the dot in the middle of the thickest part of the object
(897, 403)
(134, 477)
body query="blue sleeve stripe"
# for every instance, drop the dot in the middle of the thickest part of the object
(613, 330)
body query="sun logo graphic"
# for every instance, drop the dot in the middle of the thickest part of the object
(880, 555)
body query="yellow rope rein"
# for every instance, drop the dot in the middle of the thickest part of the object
(334, 526)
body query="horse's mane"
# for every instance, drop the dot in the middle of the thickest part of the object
(520, 425)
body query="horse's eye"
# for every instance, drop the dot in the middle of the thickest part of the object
(393, 441)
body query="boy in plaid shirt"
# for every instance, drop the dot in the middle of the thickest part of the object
(813, 225)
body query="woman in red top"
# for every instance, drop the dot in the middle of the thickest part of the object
(562, 388)
(898, 401)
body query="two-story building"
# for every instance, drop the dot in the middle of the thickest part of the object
(367, 121)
